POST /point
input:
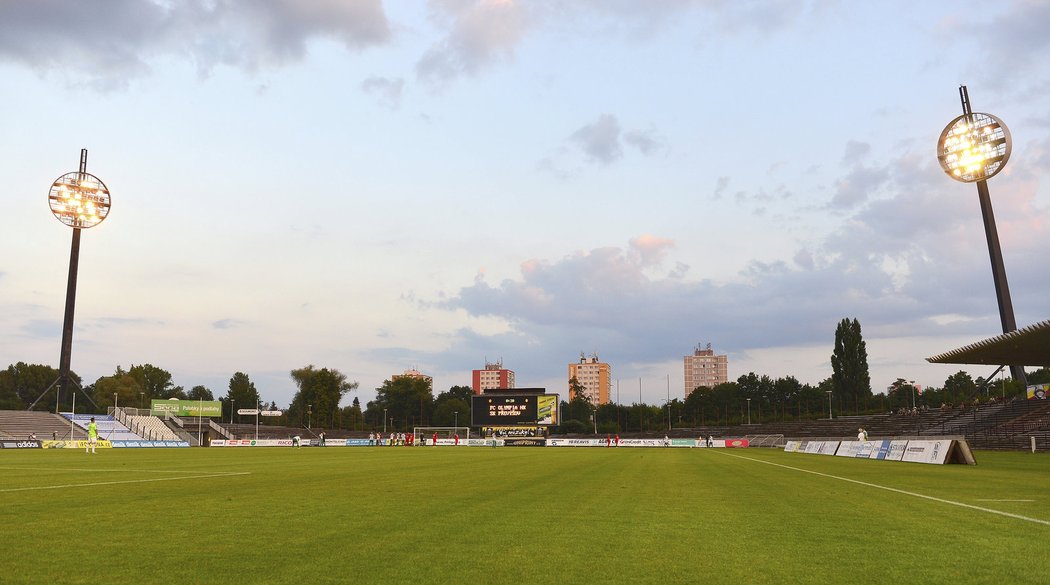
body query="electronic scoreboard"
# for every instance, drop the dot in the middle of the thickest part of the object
(505, 410)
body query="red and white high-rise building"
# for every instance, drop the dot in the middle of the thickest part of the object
(493, 376)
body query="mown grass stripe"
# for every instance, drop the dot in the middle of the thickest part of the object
(899, 491)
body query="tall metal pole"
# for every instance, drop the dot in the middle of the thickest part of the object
(71, 300)
(995, 253)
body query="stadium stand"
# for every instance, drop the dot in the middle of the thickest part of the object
(19, 424)
(151, 428)
(108, 428)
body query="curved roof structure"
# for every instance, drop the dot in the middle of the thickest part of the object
(1029, 346)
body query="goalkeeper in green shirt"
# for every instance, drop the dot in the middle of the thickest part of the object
(92, 436)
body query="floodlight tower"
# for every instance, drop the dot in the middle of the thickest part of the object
(79, 200)
(973, 148)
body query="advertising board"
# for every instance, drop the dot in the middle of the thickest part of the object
(19, 444)
(186, 407)
(935, 452)
(524, 442)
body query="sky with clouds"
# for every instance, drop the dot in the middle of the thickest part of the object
(375, 186)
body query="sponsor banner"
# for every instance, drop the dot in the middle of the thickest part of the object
(576, 442)
(207, 408)
(865, 449)
(271, 413)
(512, 431)
(896, 451)
(448, 442)
(255, 443)
(357, 442)
(683, 442)
(23, 444)
(848, 449)
(81, 444)
(480, 442)
(791, 446)
(641, 442)
(935, 452)
(802, 446)
(547, 409)
(822, 447)
(1038, 391)
(524, 442)
(148, 444)
(879, 449)
(736, 443)
(248, 411)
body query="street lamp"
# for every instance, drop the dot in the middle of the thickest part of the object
(973, 148)
(829, 404)
(309, 415)
(79, 200)
(456, 412)
(912, 383)
(384, 421)
(748, 411)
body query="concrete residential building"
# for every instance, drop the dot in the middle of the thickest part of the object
(493, 376)
(415, 374)
(704, 368)
(594, 376)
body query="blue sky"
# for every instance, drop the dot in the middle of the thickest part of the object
(375, 186)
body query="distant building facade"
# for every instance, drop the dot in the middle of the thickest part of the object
(704, 368)
(493, 376)
(594, 376)
(415, 374)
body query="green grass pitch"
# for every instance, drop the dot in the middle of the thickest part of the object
(517, 515)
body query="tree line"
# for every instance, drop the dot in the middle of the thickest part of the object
(404, 402)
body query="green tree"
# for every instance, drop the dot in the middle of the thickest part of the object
(241, 394)
(351, 417)
(959, 388)
(22, 383)
(457, 399)
(407, 402)
(154, 382)
(122, 384)
(317, 400)
(901, 393)
(200, 393)
(849, 365)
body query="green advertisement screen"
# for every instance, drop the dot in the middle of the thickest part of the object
(186, 407)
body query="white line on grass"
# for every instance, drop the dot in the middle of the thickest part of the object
(986, 500)
(899, 491)
(98, 483)
(99, 470)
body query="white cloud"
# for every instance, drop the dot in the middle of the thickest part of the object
(108, 43)
(480, 33)
(600, 140)
(387, 91)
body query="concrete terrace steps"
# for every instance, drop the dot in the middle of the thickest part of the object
(19, 424)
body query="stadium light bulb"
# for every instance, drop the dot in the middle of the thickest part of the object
(79, 200)
(974, 147)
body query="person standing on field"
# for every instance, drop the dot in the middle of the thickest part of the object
(92, 436)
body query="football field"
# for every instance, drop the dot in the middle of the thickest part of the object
(517, 515)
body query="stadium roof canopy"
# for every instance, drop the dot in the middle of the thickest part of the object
(1029, 346)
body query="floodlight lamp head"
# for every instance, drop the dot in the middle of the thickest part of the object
(79, 200)
(974, 147)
